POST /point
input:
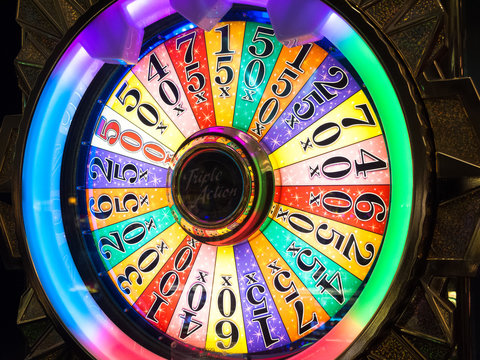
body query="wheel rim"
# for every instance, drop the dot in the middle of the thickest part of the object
(400, 207)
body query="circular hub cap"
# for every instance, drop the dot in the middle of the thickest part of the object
(221, 186)
(209, 186)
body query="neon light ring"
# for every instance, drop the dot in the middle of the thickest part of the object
(224, 196)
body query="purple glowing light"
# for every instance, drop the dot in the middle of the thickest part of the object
(204, 13)
(298, 22)
(121, 26)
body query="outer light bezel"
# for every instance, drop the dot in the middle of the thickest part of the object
(41, 211)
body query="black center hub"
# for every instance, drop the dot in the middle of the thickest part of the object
(211, 186)
(221, 186)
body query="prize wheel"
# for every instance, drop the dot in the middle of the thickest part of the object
(230, 190)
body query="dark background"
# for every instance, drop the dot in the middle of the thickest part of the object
(472, 69)
(13, 281)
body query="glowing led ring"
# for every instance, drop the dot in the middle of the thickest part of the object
(42, 216)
